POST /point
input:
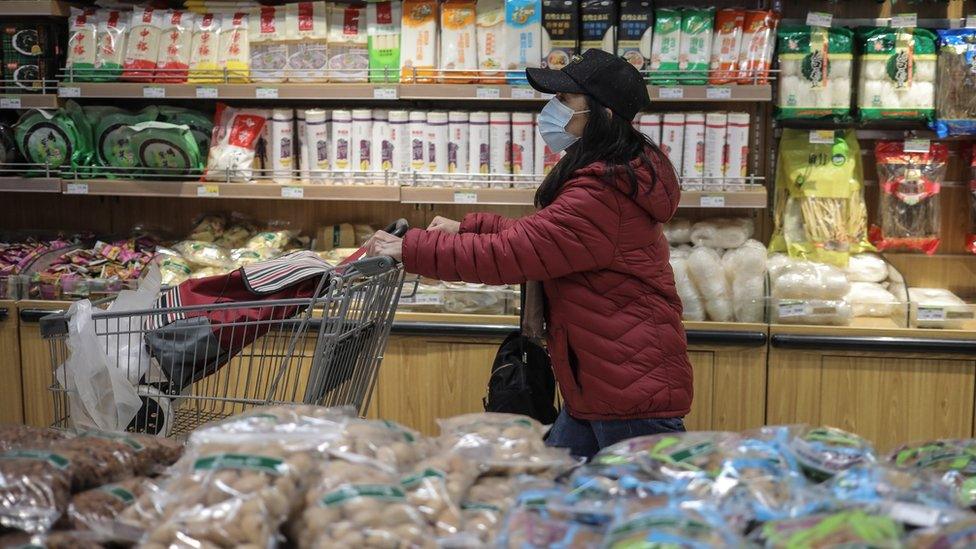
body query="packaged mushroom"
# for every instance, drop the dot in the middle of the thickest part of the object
(897, 78)
(512, 443)
(955, 96)
(358, 505)
(815, 72)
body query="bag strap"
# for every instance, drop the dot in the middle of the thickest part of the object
(522, 338)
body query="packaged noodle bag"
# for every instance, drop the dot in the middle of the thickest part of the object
(725, 45)
(234, 53)
(756, 51)
(142, 50)
(815, 72)
(820, 213)
(204, 46)
(348, 46)
(174, 48)
(418, 42)
(696, 45)
(523, 37)
(383, 39)
(82, 44)
(897, 74)
(458, 43)
(308, 34)
(266, 40)
(490, 23)
(110, 48)
(665, 46)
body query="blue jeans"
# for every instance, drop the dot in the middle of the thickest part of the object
(585, 438)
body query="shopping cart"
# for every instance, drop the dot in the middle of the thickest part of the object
(325, 350)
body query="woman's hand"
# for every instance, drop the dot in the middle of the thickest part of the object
(384, 243)
(445, 225)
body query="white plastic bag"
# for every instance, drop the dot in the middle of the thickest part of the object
(871, 300)
(722, 233)
(745, 269)
(123, 344)
(809, 280)
(866, 268)
(691, 302)
(705, 268)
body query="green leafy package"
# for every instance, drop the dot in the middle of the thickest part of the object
(166, 150)
(815, 72)
(696, 45)
(112, 134)
(200, 125)
(58, 139)
(898, 69)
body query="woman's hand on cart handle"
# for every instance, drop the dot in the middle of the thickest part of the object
(445, 225)
(385, 244)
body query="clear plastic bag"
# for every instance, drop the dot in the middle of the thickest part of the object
(866, 268)
(678, 231)
(485, 506)
(826, 451)
(809, 280)
(384, 443)
(672, 526)
(437, 487)
(150, 455)
(869, 299)
(534, 524)
(908, 208)
(844, 529)
(952, 462)
(15, 435)
(722, 233)
(97, 509)
(506, 443)
(204, 254)
(98, 460)
(958, 535)
(705, 268)
(35, 487)
(691, 301)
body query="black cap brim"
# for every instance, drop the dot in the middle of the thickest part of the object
(552, 81)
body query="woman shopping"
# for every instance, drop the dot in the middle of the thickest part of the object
(613, 317)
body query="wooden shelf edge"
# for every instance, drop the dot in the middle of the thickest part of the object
(34, 8)
(752, 198)
(28, 101)
(30, 185)
(873, 332)
(444, 195)
(261, 191)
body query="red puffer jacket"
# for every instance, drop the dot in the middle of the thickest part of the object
(616, 340)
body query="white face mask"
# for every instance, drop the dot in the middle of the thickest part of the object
(553, 119)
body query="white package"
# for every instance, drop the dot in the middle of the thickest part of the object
(775, 264)
(317, 136)
(705, 268)
(457, 146)
(937, 308)
(722, 232)
(815, 311)
(340, 141)
(490, 31)
(437, 142)
(678, 231)
(869, 299)
(417, 152)
(361, 140)
(232, 151)
(745, 268)
(348, 43)
(479, 136)
(282, 145)
(308, 33)
(737, 151)
(714, 164)
(522, 135)
(650, 125)
(693, 156)
(500, 143)
(302, 151)
(381, 147)
(142, 50)
(269, 52)
(867, 267)
(400, 138)
(691, 301)
(809, 280)
(174, 46)
(673, 138)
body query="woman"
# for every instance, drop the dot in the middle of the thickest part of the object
(615, 336)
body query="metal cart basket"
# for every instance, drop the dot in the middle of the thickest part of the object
(323, 350)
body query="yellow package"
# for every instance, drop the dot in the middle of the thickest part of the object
(820, 213)
(235, 51)
(418, 41)
(204, 50)
(458, 43)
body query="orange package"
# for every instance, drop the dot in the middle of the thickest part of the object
(418, 42)
(758, 41)
(458, 44)
(725, 46)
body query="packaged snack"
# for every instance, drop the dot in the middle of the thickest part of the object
(232, 147)
(458, 43)
(696, 45)
(110, 49)
(808, 280)
(897, 74)
(870, 299)
(958, 535)
(845, 529)
(560, 33)
(149, 455)
(418, 44)
(820, 213)
(384, 444)
(903, 496)
(234, 53)
(485, 506)
(82, 44)
(523, 38)
(725, 46)
(275, 240)
(955, 99)
(35, 486)
(308, 55)
(815, 72)
(672, 526)
(599, 25)
(383, 21)
(532, 524)
(489, 23)
(756, 51)
(825, 451)
(204, 50)
(167, 150)
(97, 508)
(142, 49)
(357, 505)
(513, 442)
(98, 460)
(266, 41)
(13, 436)
(55, 139)
(634, 40)
(347, 43)
(665, 48)
(174, 48)
(951, 461)
(908, 210)
(203, 254)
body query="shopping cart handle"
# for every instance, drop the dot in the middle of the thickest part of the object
(398, 228)
(371, 266)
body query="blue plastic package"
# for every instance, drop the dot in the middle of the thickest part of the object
(955, 104)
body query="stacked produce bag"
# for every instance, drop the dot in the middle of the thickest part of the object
(815, 72)
(897, 74)
(307, 476)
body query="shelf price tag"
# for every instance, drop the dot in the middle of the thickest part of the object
(384, 93)
(465, 198)
(70, 91)
(822, 137)
(819, 19)
(292, 192)
(488, 93)
(931, 314)
(917, 146)
(789, 309)
(904, 20)
(209, 191)
(720, 93)
(266, 93)
(671, 93)
(154, 92)
(9, 102)
(76, 188)
(207, 93)
(523, 93)
(712, 201)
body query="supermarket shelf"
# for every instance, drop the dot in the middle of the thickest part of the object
(35, 8)
(263, 91)
(30, 185)
(443, 195)
(763, 92)
(489, 92)
(28, 101)
(197, 189)
(751, 198)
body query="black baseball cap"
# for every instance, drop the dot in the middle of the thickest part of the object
(611, 80)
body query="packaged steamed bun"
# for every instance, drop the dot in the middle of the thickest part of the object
(815, 72)
(897, 74)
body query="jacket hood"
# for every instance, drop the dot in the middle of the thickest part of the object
(658, 191)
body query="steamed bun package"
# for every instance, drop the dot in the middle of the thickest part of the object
(897, 74)
(815, 65)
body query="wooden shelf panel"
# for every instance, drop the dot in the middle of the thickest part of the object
(30, 185)
(28, 101)
(198, 189)
(443, 195)
(34, 8)
(478, 92)
(752, 198)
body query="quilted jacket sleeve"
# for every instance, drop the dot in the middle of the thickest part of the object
(485, 223)
(576, 233)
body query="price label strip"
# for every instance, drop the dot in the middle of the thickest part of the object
(384, 93)
(76, 188)
(208, 191)
(292, 192)
(822, 137)
(9, 102)
(671, 93)
(465, 198)
(819, 19)
(712, 201)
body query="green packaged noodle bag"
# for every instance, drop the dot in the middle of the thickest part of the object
(897, 74)
(815, 72)
(166, 150)
(820, 213)
(665, 46)
(200, 125)
(694, 56)
(58, 139)
(113, 132)
(383, 39)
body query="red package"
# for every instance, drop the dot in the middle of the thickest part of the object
(174, 48)
(729, 24)
(908, 206)
(142, 48)
(758, 41)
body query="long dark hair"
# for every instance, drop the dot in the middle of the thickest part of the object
(607, 138)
